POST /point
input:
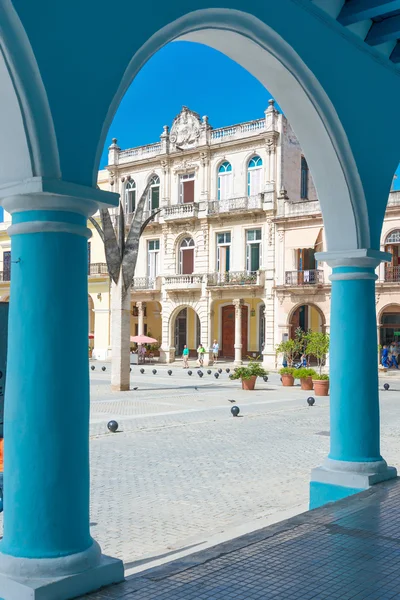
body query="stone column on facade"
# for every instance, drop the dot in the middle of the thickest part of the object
(47, 547)
(101, 317)
(354, 462)
(238, 304)
(269, 355)
(141, 308)
(167, 350)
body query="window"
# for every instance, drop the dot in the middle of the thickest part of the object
(6, 265)
(186, 188)
(223, 251)
(186, 256)
(254, 176)
(225, 181)
(304, 179)
(130, 197)
(154, 193)
(153, 250)
(393, 237)
(253, 249)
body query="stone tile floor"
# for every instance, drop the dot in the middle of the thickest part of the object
(349, 550)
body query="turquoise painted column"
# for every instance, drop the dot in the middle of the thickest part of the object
(46, 429)
(354, 462)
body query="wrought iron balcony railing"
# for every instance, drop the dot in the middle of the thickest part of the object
(98, 269)
(244, 203)
(5, 276)
(307, 277)
(392, 273)
(234, 278)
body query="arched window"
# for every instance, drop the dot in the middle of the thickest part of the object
(254, 176)
(186, 256)
(393, 237)
(225, 181)
(154, 193)
(304, 179)
(130, 197)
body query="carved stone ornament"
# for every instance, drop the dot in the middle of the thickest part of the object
(185, 130)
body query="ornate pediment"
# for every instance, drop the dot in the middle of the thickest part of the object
(185, 130)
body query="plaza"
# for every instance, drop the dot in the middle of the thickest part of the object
(182, 474)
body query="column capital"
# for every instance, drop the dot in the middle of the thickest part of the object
(39, 193)
(237, 303)
(358, 257)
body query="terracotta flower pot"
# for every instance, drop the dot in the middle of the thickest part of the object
(321, 387)
(306, 383)
(287, 380)
(249, 384)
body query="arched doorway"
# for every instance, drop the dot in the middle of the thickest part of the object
(187, 331)
(228, 331)
(389, 324)
(306, 317)
(392, 245)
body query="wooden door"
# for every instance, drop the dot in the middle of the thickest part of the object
(228, 331)
(187, 261)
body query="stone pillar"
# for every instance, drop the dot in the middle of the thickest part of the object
(354, 462)
(141, 307)
(120, 337)
(47, 542)
(238, 331)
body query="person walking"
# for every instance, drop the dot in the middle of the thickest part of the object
(394, 354)
(215, 351)
(185, 357)
(200, 354)
(385, 357)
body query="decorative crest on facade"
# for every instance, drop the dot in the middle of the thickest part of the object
(185, 130)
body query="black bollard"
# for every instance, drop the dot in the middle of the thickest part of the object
(142, 371)
(189, 372)
(228, 370)
(216, 375)
(169, 372)
(386, 386)
(112, 426)
(209, 372)
(265, 377)
(93, 367)
(154, 371)
(220, 371)
(235, 410)
(310, 401)
(103, 368)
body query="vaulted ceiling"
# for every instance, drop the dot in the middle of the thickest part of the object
(375, 21)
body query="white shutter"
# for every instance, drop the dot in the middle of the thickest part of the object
(255, 181)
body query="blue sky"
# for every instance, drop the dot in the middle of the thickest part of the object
(184, 73)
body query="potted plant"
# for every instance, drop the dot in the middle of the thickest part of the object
(306, 377)
(289, 349)
(287, 378)
(318, 346)
(321, 384)
(248, 374)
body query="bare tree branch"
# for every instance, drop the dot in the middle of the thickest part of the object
(111, 248)
(97, 227)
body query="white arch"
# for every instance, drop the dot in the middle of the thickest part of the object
(25, 118)
(260, 50)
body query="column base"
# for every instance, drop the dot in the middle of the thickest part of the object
(58, 578)
(337, 479)
(123, 387)
(269, 360)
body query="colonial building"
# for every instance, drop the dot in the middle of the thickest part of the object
(230, 253)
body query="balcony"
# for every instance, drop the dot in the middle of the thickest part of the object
(183, 282)
(181, 211)
(297, 278)
(241, 204)
(145, 284)
(394, 199)
(298, 209)
(392, 274)
(231, 279)
(140, 153)
(244, 130)
(96, 269)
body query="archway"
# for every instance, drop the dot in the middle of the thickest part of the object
(306, 317)
(185, 328)
(261, 51)
(389, 324)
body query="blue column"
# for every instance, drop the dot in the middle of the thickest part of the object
(46, 430)
(354, 461)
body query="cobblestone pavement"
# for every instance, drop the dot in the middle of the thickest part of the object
(182, 472)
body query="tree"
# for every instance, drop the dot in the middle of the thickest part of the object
(318, 346)
(288, 348)
(121, 256)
